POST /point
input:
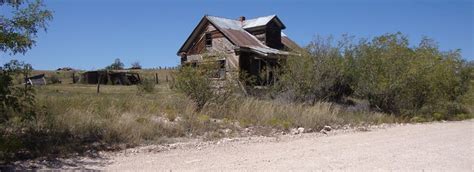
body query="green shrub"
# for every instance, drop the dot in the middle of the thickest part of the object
(15, 101)
(146, 86)
(316, 74)
(194, 83)
(53, 79)
(404, 80)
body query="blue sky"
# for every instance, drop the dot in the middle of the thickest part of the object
(90, 34)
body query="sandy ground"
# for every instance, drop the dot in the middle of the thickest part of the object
(445, 146)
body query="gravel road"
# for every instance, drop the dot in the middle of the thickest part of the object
(447, 146)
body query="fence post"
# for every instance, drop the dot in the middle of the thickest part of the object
(98, 82)
(73, 77)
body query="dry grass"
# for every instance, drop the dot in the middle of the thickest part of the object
(74, 118)
(251, 112)
(118, 113)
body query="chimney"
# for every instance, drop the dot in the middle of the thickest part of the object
(242, 19)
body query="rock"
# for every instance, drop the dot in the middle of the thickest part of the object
(323, 131)
(300, 130)
(294, 131)
(227, 131)
(247, 130)
(327, 128)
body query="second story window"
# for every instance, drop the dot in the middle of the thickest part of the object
(208, 38)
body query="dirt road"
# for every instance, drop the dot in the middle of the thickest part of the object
(437, 146)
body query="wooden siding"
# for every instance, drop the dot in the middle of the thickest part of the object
(273, 36)
(220, 45)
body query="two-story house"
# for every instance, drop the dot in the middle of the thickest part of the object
(253, 46)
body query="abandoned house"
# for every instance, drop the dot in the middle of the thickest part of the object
(112, 77)
(253, 46)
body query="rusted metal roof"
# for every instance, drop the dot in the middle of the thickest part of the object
(236, 32)
(267, 51)
(233, 30)
(288, 42)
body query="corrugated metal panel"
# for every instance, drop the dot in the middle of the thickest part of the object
(224, 23)
(267, 51)
(241, 38)
(257, 22)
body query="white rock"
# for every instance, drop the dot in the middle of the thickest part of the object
(294, 131)
(247, 130)
(301, 130)
(227, 131)
(327, 128)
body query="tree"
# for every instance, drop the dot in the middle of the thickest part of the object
(196, 81)
(18, 32)
(17, 35)
(316, 73)
(136, 65)
(117, 65)
(399, 79)
(15, 101)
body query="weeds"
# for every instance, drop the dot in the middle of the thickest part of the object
(146, 86)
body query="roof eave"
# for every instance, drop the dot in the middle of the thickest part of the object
(193, 34)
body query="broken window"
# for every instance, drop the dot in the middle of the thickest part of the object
(219, 71)
(222, 69)
(208, 40)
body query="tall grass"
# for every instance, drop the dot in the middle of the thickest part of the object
(74, 118)
(251, 112)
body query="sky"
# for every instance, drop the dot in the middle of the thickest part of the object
(90, 34)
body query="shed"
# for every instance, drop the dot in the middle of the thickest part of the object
(36, 80)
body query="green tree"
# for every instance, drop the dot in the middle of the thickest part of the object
(18, 32)
(195, 83)
(200, 84)
(17, 35)
(316, 73)
(15, 101)
(136, 65)
(117, 65)
(400, 79)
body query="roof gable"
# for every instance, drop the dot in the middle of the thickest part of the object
(262, 21)
(235, 31)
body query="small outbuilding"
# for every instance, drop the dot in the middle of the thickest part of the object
(112, 77)
(36, 80)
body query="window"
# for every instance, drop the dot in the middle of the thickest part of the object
(219, 71)
(208, 40)
(222, 69)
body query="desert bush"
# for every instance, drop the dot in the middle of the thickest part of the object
(392, 75)
(404, 80)
(194, 83)
(146, 86)
(200, 84)
(316, 73)
(53, 79)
